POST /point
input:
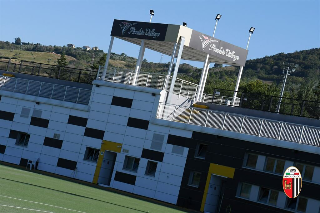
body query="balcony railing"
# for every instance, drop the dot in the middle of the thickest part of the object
(288, 106)
(152, 80)
(46, 90)
(49, 71)
(242, 124)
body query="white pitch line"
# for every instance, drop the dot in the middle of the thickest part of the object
(41, 204)
(17, 207)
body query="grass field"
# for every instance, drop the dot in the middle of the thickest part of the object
(23, 191)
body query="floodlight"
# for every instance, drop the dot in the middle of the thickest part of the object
(152, 12)
(184, 24)
(218, 17)
(251, 30)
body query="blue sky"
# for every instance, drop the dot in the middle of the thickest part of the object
(281, 25)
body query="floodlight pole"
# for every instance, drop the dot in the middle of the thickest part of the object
(283, 86)
(239, 75)
(205, 71)
(107, 59)
(174, 77)
(140, 59)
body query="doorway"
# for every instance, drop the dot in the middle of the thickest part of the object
(106, 161)
(214, 194)
(109, 159)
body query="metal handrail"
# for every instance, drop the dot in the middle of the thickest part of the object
(244, 124)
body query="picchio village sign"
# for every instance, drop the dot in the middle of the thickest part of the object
(219, 51)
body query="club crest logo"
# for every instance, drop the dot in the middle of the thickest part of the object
(205, 40)
(125, 26)
(292, 182)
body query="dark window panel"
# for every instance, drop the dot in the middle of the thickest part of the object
(138, 123)
(94, 133)
(125, 178)
(23, 162)
(152, 155)
(55, 143)
(122, 102)
(6, 115)
(67, 164)
(2, 149)
(78, 121)
(40, 122)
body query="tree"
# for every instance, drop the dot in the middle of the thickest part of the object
(62, 61)
(17, 41)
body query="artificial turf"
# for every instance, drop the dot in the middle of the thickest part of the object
(23, 191)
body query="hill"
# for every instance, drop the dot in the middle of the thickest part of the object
(267, 71)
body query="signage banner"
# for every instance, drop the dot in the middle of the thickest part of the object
(140, 30)
(215, 47)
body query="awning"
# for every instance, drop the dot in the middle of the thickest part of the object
(162, 38)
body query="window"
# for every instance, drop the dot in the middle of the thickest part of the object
(306, 171)
(268, 196)
(157, 141)
(131, 164)
(194, 179)
(25, 112)
(297, 204)
(201, 151)
(177, 149)
(91, 154)
(251, 161)
(151, 168)
(245, 190)
(22, 139)
(37, 113)
(274, 165)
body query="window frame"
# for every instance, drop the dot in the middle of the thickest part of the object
(132, 168)
(197, 151)
(148, 166)
(274, 166)
(304, 169)
(85, 158)
(246, 161)
(18, 139)
(269, 195)
(297, 203)
(240, 189)
(191, 178)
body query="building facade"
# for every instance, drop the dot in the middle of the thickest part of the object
(115, 139)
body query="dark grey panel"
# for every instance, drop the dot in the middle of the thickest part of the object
(138, 123)
(78, 121)
(123, 102)
(125, 178)
(152, 155)
(40, 122)
(51, 142)
(2, 149)
(67, 164)
(94, 133)
(6, 115)
(140, 30)
(215, 47)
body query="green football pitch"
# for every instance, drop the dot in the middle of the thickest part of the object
(22, 191)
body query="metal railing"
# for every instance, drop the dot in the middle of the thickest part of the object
(46, 90)
(152, 80)
(260, 127)
(289, 106)
(50, 71)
